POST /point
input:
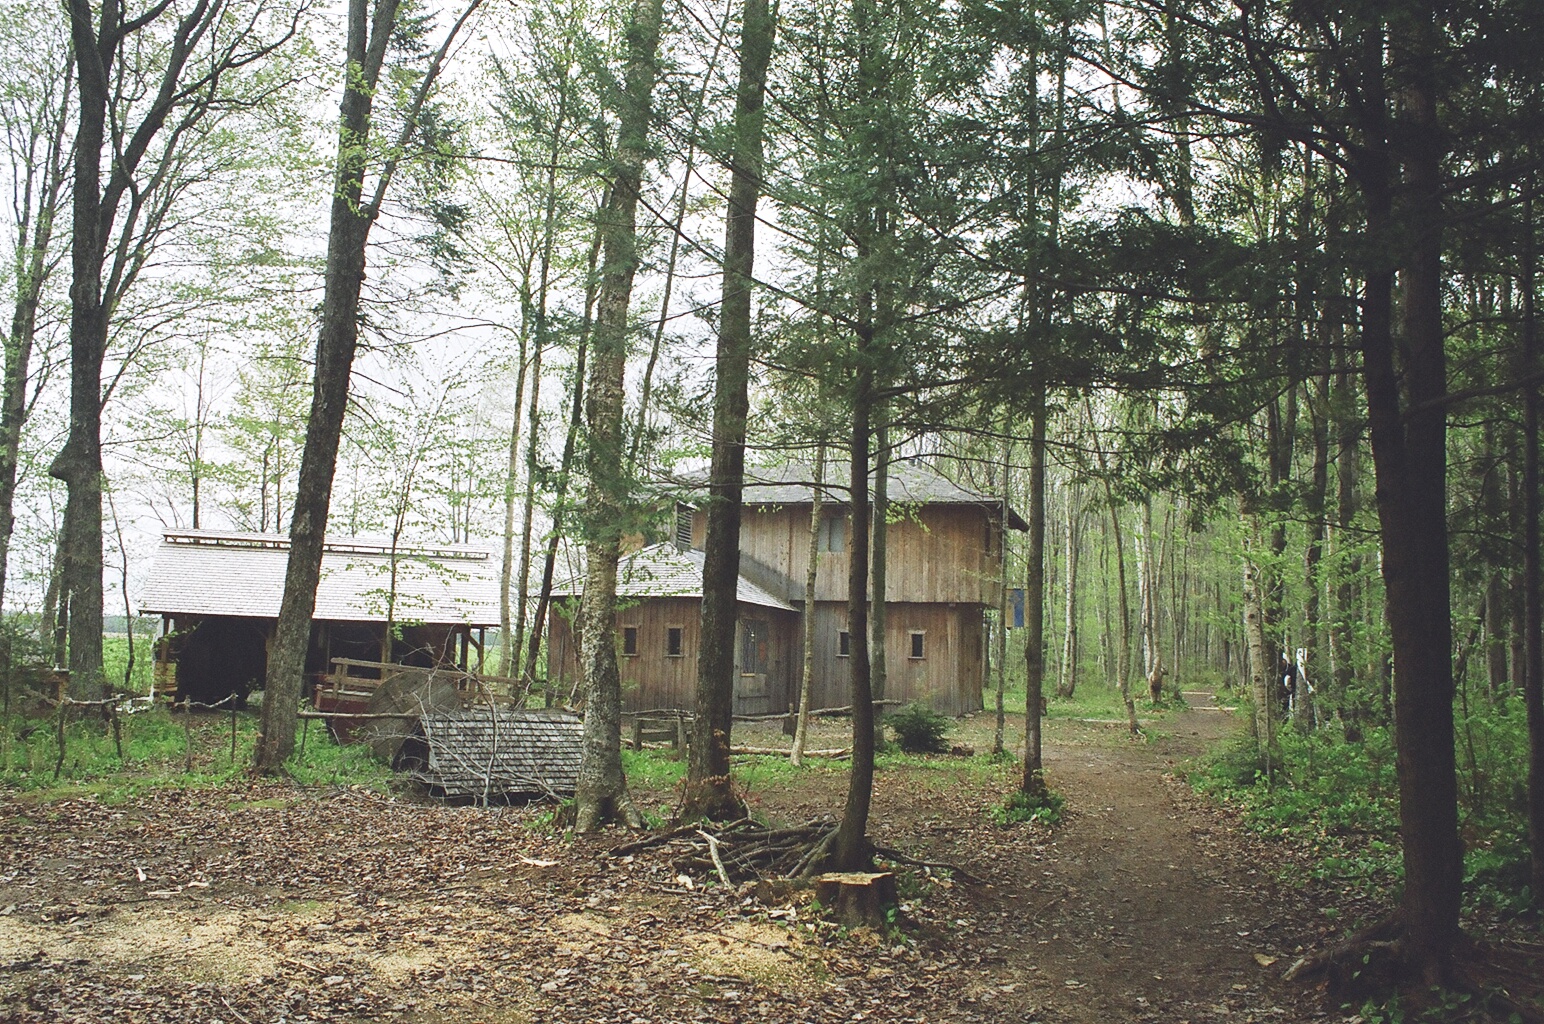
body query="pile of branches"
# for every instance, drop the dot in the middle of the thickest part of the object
(746, 850)
(743, 850)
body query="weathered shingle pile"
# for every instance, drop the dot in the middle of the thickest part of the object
(483, 752)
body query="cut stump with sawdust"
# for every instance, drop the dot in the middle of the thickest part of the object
(857, 898)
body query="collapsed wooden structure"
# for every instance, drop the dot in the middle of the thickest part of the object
(485, 751)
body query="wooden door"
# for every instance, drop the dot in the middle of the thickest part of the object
(752, 693)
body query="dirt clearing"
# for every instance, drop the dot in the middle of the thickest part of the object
(277, 904)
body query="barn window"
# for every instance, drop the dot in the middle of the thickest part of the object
(918, 640)
(675, 642)
(630, 640)
(833, 533)
(683, 526)
(843, 644)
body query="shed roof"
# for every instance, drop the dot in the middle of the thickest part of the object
(206, 572)
(486, 750)
(663, 570)
(914, 482)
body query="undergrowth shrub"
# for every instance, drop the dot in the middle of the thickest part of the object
(1340, 799)
(1021, 807)
(919, 729)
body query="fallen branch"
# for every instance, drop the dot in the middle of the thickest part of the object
(901, 858)
(780, 752)
(718, 862)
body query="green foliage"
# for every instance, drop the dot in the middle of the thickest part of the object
(160, 750)
(653, 769)
(919, 729)
(1341, 800)
(1021, 807)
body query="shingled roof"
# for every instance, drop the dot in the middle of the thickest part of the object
(663, 570)
(909, 482)
(485, 751)
(204, 572)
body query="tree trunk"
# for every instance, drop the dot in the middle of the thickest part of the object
(79, 463)
(709, 792)
(1410, 465)
(565, 468)
(807, 676)
(878, 566)
(1262, 663)
(852, 847)
(1348, 564)
(1067, 684)
(1000, 640)
(1533, 642)
(369, 31)
(1313, 556)
(533, 427)
(508, 642)
(601, 791)
(1123, 670)
(38, 206)
(1033, 782)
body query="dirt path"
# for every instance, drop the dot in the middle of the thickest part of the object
(1141, 907)
(270, 903)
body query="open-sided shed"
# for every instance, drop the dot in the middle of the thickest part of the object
(219, 593)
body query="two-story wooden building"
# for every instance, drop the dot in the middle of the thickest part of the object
(944, 571)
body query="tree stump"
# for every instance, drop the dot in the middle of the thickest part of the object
(857, 898)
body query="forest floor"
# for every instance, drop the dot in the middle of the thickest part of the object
(273, 903)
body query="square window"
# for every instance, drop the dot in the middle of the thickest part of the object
(917, 644)
(630, 640)
(675, 642)
(843, 644)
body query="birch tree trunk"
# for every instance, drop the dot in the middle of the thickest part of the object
(807, 676)
(1033, 783)
(1068, 681)
(600, 793)
(565, 469)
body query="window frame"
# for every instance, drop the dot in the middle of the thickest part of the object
(917, 641)
(677, 634)
(630, 633)
(832, 538)
(843, 643)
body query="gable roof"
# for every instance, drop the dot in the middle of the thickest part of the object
(910, 482)
(207, 572)
(663, 570)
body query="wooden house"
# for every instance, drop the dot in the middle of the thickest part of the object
(944, 571)
(659, 599)
(218, 595)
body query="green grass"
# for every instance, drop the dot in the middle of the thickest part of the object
(161, 750)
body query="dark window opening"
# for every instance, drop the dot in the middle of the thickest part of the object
(833, 534)
(843, 644)
(630, 640)
(675, 642)
(917, 649)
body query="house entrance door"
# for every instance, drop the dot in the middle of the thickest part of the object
(752, 693)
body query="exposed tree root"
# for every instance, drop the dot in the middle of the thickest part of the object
(1378, 962)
